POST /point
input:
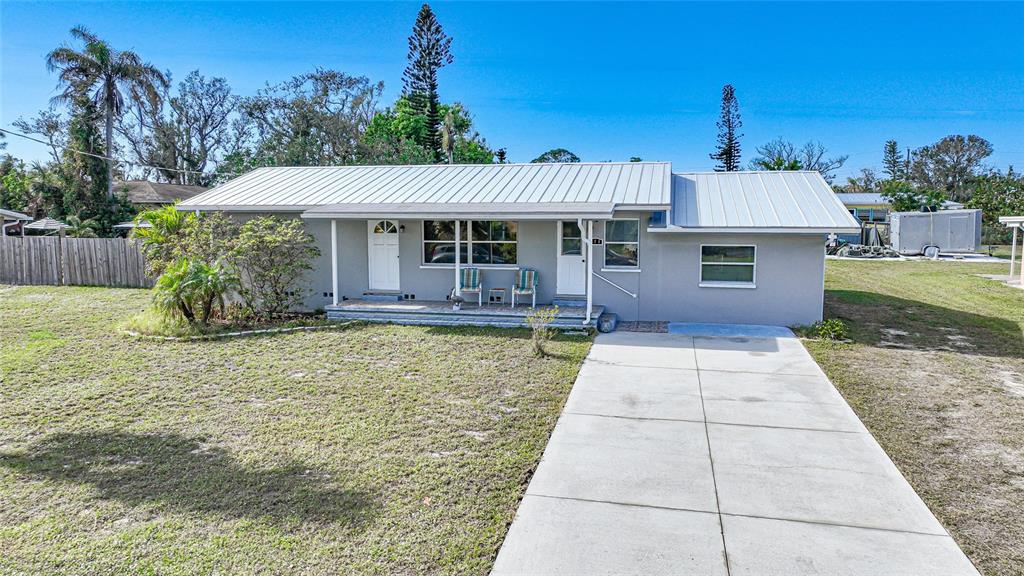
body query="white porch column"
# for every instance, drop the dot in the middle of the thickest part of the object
(590, 267)
(1013, 251)
(458, 255)
(334, 261)
(1021, 226)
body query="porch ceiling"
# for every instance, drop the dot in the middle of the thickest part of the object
(469, 211)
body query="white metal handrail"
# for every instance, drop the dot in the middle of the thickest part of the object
(615, 285)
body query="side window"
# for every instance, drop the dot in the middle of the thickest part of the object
(728, 265)
(622, 243)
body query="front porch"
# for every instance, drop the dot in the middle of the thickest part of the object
(439, 313)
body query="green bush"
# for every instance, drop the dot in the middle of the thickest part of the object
(830, 329)
(272, 256)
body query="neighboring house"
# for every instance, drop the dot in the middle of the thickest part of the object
(13, 223)
(744, 247)
(145, 194)
(872, 207)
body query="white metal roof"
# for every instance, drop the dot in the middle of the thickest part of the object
(797, 201)
(12, 215)
(512, 211)
(862, 199)
(876, 199)
(302, 188)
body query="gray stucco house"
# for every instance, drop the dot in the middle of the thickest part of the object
(634, 239)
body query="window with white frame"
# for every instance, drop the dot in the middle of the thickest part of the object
(622, 243)
(482, 242)
(727, 264)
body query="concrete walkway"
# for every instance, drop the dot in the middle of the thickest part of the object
(724, 454)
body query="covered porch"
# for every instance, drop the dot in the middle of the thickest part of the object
(415, 259)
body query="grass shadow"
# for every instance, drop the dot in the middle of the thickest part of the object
(887, 321)
(182, 472)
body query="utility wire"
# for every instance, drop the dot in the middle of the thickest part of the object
(104, 158)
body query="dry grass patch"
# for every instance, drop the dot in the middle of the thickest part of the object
(371, 450)
(936, 372)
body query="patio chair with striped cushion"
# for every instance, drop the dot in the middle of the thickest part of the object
(471, 283)
(526, 283)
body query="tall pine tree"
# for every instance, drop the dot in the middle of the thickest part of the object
(429, 51)
(893, 162)
(728, 150)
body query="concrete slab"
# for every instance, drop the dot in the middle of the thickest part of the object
(766, 547)
(776, 400)
(730, 330)
(644, 462)
(565, 537)
(629, 391)
(755, 355)
(802, 488)
(828, 477)
(644, 349)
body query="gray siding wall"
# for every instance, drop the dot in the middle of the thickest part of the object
(790, 273)
(790, 276)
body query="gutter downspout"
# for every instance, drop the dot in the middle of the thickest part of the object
(16, 222)
(588, 238)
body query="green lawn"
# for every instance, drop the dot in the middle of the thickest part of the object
(369, 450)
(936, 372)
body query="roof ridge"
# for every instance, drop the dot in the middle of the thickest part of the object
(367, 166)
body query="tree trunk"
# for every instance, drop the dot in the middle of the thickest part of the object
(208, 309)
(110, 154)
(186, 311)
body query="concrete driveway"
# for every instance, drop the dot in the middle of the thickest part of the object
(717, 450)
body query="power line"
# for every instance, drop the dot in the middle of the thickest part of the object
(104, 158)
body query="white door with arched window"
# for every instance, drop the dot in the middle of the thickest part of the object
(383, 256)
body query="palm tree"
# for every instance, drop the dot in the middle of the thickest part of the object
(78, 228)
(103, 73)
(164, 224)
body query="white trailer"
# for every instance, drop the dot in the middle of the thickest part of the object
(952, 231)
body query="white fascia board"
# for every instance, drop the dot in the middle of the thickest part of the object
(238, 208)
(456, 216)
(753, 230)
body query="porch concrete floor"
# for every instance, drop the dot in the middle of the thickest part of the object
(443, 307)
(717, 451)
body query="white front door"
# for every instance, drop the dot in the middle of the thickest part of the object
(572, 263)
(383, 257)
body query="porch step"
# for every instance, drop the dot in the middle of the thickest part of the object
(382, 297)
(569, 302)
(452, 320)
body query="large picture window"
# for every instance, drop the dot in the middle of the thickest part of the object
(728, 265)
(483, 242)
(622, 243)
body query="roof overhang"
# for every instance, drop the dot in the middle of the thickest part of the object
(469, 211)
(12, 215)
(240, 208)
(753, 230)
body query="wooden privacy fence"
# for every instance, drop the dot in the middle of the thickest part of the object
(60, 261)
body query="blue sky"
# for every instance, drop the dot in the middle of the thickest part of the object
(607, 81)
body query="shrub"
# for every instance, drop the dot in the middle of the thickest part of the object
(540, 322)
(830, 329)
(272, 256)
(188, 288)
